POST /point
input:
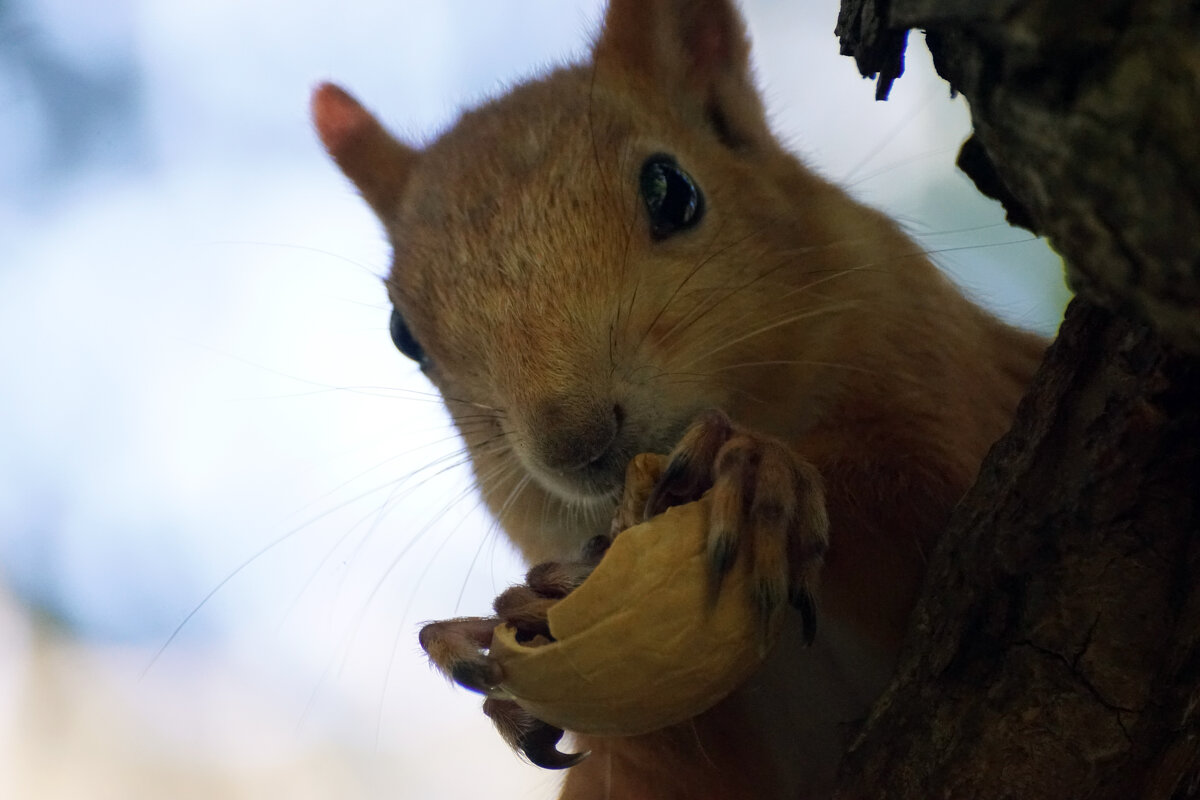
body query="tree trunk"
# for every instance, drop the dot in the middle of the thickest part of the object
(1085, 126)
(1056, 649)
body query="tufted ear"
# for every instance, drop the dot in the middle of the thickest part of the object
(695, 53)
(370, 157)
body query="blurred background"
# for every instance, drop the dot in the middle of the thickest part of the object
(226, 502)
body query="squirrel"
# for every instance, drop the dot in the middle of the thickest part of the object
(620, 257)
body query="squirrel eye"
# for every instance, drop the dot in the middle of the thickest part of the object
(403, 339)
(671, 196)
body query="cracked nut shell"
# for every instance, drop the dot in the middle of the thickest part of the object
(647, 641)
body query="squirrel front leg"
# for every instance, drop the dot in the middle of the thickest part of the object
(768, 504)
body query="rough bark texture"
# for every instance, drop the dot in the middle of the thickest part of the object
(1055, 652)
(1086, 127)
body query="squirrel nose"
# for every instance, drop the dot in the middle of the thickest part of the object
(570, 436)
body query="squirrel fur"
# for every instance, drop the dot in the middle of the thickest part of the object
(566, 336)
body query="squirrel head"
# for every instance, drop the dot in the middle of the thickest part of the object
(584, 264)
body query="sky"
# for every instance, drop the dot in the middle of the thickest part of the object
(215, 470)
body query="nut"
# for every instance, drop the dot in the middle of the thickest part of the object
(647, 641)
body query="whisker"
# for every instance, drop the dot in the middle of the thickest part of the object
(786, 320)
(686, 378)
(700, 264)
(440, 465)
(701, 311)
(346, 645)
(885, 141)
(796, 362)
(904, 162)
(241, 567)
(303, 247)
(524, 481)
(401, 627)
(402, 454)
(349, 638)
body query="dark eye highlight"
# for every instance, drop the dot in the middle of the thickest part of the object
(405, 342)
(672, 198)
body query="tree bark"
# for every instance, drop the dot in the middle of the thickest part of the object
(1055, 651)
(1085, 126)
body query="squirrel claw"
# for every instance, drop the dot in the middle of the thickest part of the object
(803, 602)
(540, 747)
(529, 736)
(768, 505)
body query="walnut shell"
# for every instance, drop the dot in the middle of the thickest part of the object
(647, 641)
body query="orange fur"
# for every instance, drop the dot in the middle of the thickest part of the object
(563, 338)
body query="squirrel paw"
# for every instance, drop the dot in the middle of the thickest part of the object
(459, 650)
(767, 503)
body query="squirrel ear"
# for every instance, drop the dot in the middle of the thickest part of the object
(696, 52)
(370, 157)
